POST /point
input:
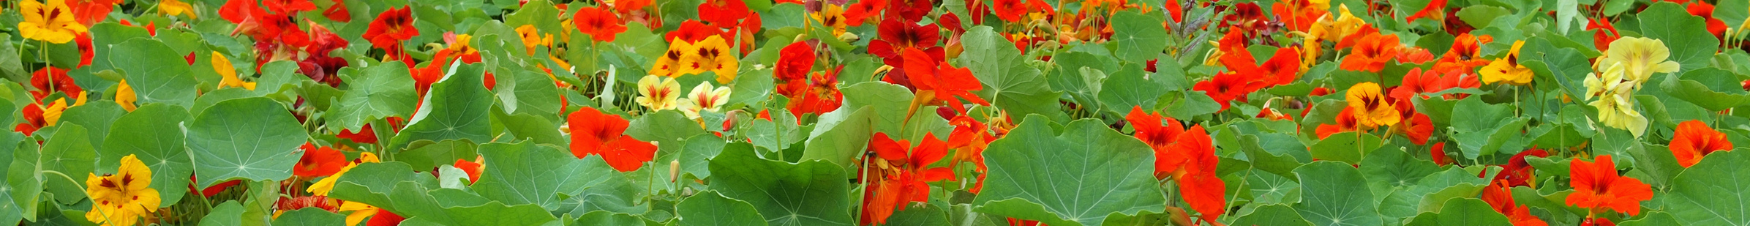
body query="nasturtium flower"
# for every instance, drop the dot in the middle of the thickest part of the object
(122, 198)
(969, 139)
(227, 74)
(1155, 130)
(1507, 69)
(1371, 52)
(1465, 54)
(794, 61)
(1614, 98)
(1641, 57)
(712, 54)
(391, 27)
(177, 8)
(1499, 196)
(673, 62)
(532, 37)
(1597, 187)
(1345, 123)
(658, 93)
(832, 16)
(51, 22)
(318, 162)
(704, 98)
(941, 82)
(52, 114)
(1371, 107)
(723, 13)
(856, 12)
(1416, 126)
(599, 23)
(1192, 163)
(1695, 140)
(50, 79)
(595, 133)
(288, 7)
(322, 187)
(1517, 172)
(900, 173)
(1333, 29)
(1009, 10)
(124, 95)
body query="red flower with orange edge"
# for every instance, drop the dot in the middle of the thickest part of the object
(1345, 122)
(1695, 140)
(391, 27)
(723, 13)
(900, 177)
(599, 23)
(1465, 55)
(289, 7)
(1192, 163)
(318, 162)
(942, 83)
(594, 133)
(857, 12)
(1500, 197)
(1371, 53)
(897, 36)
(1598, 187)
(46, 77)
(1417, 127)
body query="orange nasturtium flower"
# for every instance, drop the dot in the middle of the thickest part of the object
(1372, 109)
(1151, 131)
(1507, 69)
(595, 133)
(322, 187)
(175, 8)
(1345, 123)
(122, 198)
(1695, 140)
(599, 23)
(51, 22)
(318, 162)
(1597, 187)
(900, 173)
(1192, 163)
(391, 27)
(941, 82)
(1371, 52)
(1500, 197)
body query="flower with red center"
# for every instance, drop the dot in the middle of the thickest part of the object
(1695, 140)
(1248, 18)
(1416, 126)
(1151, 130)
(897, 36)
(50, 79)
(818, 94)
(1517, 172)
(942, 83)
(1009, 10)
(1225, 87)
(1372, 109)
(1500, 197)
(318, 162)
(595, 133)
(723, 13)
(910, 10)
(92, 11)
(900, 172)
(391, 27)
(857, 12)
(599, 23)
(289, 7)
(1192, 162)
(1371, 52)
(794, 61)
(1345, 123)
(1597, 187)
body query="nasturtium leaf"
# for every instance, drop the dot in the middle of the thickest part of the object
(529, 173)
(24, 177)
(1686, 35)
(68, 153)
(1127, 89)
(1187, 104)
(1335, 193)
(525, 126)
(1653, 218)
(1140, 37)
(710, 208)
(495, 213)
(606, 218)
(1348, 147)
(1657, 162)
(694, 156)
(375, 92)
(374, 183)
(1710, 88)
(1484, 128)
(1712, 192)
(250, 138)
(806, 193)
(840, 136)
(1272, 215)
(1462, 212)
(1009, 83)
(668, 128)
(157, 73)
(456, 108)
(228, 213)
(152, 133)
(309, 216)
(1390, 169)
(535, 94)
(1074, 177)
(10, 211)
(1430, 193)
(424, 156)
(96, 117)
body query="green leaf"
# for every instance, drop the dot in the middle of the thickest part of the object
(250, 138)
(1272, 215)
(1335, 193)
(1463, 212)
(1710, 88)
(710, 208)
(155, 72)
(1687, 37)
(495, 213)
(525, 126)
(1481, 15)
(1074, 177)
(1392, 169)
(1430, 193)
(309, 216)
(668, 128)
(25, 176)
(376, 92)
(96, 117)
(1348, 147)
(153, 133)
(1008, 82)
(228, 213)
(609, 218)
(1657, 162)
(10, 211)
(1485, 128)
(455, 108)
(807, 193)
(527, 173)
(1712, 191)
(70, 153)
(1122, 90)
(1187, 104)
(1140, 37)
(693, 157)
(1653, 218)
(839, 137)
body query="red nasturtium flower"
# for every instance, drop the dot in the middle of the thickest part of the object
(391, 27)
(472, 168)
(90, 12)
(599, 23)
(1225, 87)
(289, 7)
(1437, 152)
(1371, 52)
(897, 36)
(50, 77)
(1597, 221)
(1435, 9)
(941, 83)
(723, 13)
(1345, 123)
(1282, 68)
(595, 133)
(318, 162)
(794, 62)
(1517, 172)
(820, 96)
(1465, 55)
(1606, 33)
(1416, 126)
(1597, 187)
(1009, 10)
(1151, 130)
(1500, 197)
(900, 173)
(338, 13)
(1187, 156)
(1695, 140)
(857, 12)
(969, 139)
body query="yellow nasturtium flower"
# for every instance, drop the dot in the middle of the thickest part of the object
(53, 113)
(175, 8)
(52, 22)
(1370, 106)
(124, 95)
(322, 187)
(712, 54)
(122, 198)
(1507, 69)
(1641, 57)
(658, 93)
(704, 98)
(832, 16)
(227, 74)
(673, 62)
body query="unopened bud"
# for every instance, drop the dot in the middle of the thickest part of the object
(674, 168)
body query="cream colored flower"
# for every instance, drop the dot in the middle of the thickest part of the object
(1614, 98)
(704, 98)
(1641, 56)
(657, 92)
